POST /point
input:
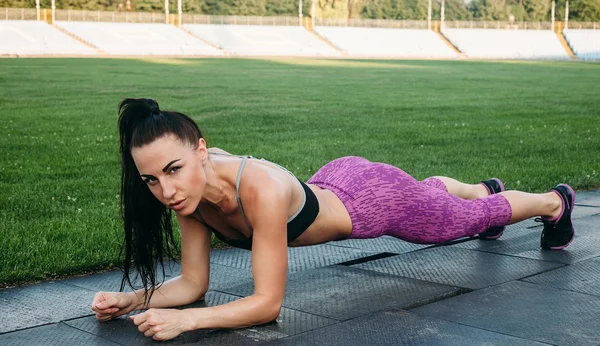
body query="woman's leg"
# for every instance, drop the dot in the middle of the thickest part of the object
(442, 209)
(457, 188)
(558, 229)
(471, 192)
(526, 205)
(384, 200)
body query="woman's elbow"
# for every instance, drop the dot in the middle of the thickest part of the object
(271, 312)
(274, 314)
(201, 291)
(191, 297)
(200, 295)
(196, 289)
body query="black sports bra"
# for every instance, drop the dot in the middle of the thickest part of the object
(297, 223)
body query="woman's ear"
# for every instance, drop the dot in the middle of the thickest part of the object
(202, 150)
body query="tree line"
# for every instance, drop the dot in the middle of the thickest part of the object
(493, 10)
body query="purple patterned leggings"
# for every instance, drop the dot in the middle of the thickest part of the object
(384, 200)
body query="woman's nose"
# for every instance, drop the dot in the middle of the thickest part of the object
(168, 190)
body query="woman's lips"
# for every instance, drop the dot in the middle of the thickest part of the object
(178, 205)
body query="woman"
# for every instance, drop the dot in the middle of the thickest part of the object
(258, 205)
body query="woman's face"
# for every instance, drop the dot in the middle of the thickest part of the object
(173, 171)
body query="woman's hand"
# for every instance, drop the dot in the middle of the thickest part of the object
(163, 324)
(108, 305)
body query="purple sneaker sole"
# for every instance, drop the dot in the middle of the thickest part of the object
(561, 214)
(492, 233)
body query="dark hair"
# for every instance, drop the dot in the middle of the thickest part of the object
(146, 221)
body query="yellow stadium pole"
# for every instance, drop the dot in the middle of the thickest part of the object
(300, 12)
(313, 14)
(37, 8)
(53, 10)
(567, 15)
(429, 15)
(166, 11)
(442, 15)
(553, 6)
(179, 14)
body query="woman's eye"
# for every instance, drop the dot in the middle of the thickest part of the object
(150, 181)
(174, 169)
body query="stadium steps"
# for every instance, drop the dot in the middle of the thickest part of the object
(203, 40)
(326, 41)
(565, 44)
(79, 39)
(449, 44)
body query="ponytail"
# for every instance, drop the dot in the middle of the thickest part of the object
(146, 221)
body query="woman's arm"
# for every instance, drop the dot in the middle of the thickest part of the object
(266, 202)
(266, 209)
(191, 285)
(188, 287)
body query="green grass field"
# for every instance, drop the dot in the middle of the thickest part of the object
(533, 124)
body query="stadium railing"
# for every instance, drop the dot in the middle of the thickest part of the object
(190, 18)
(372, 23)
(584, 25)
(18, 14)
(109, 16)
(153, 17)
(457, 24)
(142, 17)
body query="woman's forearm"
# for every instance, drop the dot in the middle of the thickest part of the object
(249, 311)
(174, 292)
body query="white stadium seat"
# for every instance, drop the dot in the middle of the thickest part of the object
(585, 43)
(138, 38)
(261, 40)
(384, 42)
(30, 37)
(507, 44)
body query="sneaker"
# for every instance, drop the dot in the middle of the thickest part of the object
(558, 233)
(493, 186)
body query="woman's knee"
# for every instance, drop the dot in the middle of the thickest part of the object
(435, 182)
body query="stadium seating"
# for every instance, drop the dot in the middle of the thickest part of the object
(259, 40)
(29, 37)
(384, 42)
(26, 37)
(585, 43)
(138, 38)
(507, 44)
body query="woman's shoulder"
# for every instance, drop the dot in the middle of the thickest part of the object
(215, 150)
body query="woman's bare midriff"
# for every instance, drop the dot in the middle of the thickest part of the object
(332, 223)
